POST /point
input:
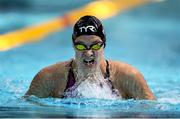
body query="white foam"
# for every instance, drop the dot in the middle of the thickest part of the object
(169, 100)
(93, 86)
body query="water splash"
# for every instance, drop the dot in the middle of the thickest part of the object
(92, 85)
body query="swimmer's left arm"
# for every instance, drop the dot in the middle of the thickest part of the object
(136, 86)
(130, 82)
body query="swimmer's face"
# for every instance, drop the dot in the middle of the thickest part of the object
(89, 50)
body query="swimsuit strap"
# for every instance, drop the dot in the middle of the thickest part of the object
(108, 75)
(70, 65)
(71, 79)
(107, 70)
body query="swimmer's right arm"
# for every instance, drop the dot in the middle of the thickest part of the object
(40, 85)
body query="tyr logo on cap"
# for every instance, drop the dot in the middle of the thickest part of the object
(85, 28)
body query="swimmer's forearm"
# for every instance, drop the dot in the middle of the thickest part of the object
(36, 91)
(136, 87)
(140, 90)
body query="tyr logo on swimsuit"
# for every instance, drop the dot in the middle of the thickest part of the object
(85, 28)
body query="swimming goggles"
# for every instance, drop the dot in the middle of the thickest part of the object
(82, 47)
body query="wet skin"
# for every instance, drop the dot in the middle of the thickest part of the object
(52, 80)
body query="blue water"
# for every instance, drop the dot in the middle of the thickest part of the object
(147, 37)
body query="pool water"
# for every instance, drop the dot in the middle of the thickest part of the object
(147, 37)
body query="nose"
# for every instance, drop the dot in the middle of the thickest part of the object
(89, 53)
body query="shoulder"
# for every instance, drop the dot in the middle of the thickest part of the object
(126, 76)
(123, 69)
(53, 73)
(60, 68)
(48, 79)
(130, 81)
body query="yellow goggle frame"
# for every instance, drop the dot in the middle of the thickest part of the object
(82, 47)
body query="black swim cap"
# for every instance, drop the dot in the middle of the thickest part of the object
(89, 25)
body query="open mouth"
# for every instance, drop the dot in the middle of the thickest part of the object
(89, 62)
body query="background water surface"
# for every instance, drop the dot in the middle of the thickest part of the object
(147, 37)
